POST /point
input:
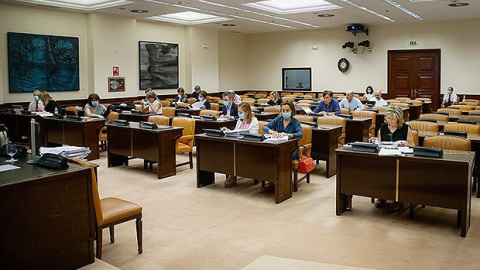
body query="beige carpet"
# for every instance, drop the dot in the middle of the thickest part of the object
(185, 227)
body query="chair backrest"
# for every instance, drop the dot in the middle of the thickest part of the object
(423, 99)
(287, 98)
(462, 107)
(159, 120)
(302, 104)
(380, 109)
(403, 99)
(263, 100)
(438, 117)
(182, 104)
(138, 101)
(307, 96)
(447, 142)
(261, 124)
(423, 126)
(336, 121)
(344, 111)
(472, 101)
(188, 125)
(390, 101)
(215, 106)
(469, 103)
(469, 128)
(367, 114)
(209, 112)
(307, 135)
(474, 117)
(451, 112)
(168, 111)
(138, 107)
(414, 136)
(73, 109)
(415, 102)
(191, 100)
(170, 99)
(113, 116)
(302, 117)
(246, 99)
(260, 95)
(276, 109)
(165, 103)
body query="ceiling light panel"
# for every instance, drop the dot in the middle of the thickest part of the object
(189, 18)
(404, 9)
(86, 5)
(367, 10)
(292, 7)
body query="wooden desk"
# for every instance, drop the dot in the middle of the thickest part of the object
(257, 160)
(188, 111)
(415, 111)
(443, 182)
(155, 145)
(47, 219)
(426, 107)
(71, 132)
(18, 124)
(135, 117)
(324, 143)
(201, 124)
(265, 116)
(356, 130)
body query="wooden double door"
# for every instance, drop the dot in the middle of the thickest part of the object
(414, 74)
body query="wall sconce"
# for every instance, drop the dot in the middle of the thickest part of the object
(348, 44)
(366, 46)
(205, 46)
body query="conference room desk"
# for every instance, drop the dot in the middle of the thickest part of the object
(135, 117)
(380, 118)
(415, 111)
(440, 182)
(266, 116)
(201, 124)
(154, 145)
(356, 130)
(187, 111)
(18, 124)
(324, 143)
(47, 219)
(71, 132)
(426, 107)
(258, 160)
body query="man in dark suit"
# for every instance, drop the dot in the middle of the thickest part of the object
(229, 109)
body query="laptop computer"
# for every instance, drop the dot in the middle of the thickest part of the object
(17, 108)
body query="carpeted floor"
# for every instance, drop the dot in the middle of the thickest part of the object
(185, 227)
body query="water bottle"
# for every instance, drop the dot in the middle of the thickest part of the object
(463, 98)
(56, 110)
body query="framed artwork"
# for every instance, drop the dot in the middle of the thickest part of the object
(116, 71)
(297, 79)
(158, 64)
(42, 62)
(116, 84)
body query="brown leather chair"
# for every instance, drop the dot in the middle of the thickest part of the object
(72, 109)
(261, 124)
(307, 96)
(159, 120)
(191, 100)
(170, 99)
(344, 111)
(245, 99)
(472, 103)
(334, 121)
(112, 211)
(390, 101)
(209, 112)
(249, 102)
(214, 106)
(263, 100)
(168, 111)
(260, 95)
(276, 109)
(367, 114)
(403, 99)
(304, 152)
(424, 127)
(302, 104)
(448, 142)
(462, 107)
(451, 112)
(138, 101)
(302, 117)
(165, 103)
(288, 98)
(380, 109)
(414, 136)
(472, 130)
(438, 117)
(184, 144)
(102, 134)
(424, 99)
(182, 104)
(138, 107)
(471, 117)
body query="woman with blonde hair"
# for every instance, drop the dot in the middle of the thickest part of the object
(49, 103)
(274, 99)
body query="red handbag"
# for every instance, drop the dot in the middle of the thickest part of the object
(306, 165)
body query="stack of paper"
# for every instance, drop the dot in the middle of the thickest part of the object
(389, 152)
(277, 140)
(67, 151)
(43, 114)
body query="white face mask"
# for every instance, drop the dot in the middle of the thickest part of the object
(200, 98)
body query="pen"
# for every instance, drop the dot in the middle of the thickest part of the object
(16, 164)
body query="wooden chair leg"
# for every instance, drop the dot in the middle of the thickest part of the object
(139, 235)
(255, 181)
(263, 184)
(190, 156)
(99, 243)
(308, 178)
(112, 234)
(411, 210)
(295, 180)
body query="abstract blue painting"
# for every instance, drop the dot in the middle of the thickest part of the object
(42, 62)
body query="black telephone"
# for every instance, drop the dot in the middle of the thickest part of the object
(121, 123)
(364, 147)
(73, 117)
(420, 151)
(148, 125)
(53, 161)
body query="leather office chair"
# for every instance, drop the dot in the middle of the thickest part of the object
(263, 100)
(185, 143)
(170, 99)
(477, 102)
(304, 152)
(215, 106)
(302, 117)
(168, 111)
(249, 102)
(209, 112)
(165, 103)
(191, 100)
(302, 104)
(260, 95)
(448, 142)
(462, 107)
(138, 101)
(472, 130)
(159, 120)
(390, 101)
(182, 104)
(297, 94)
(261, 124)
(424, 99)
(380, 109)
(102, 134)
(275, 109)
(215, 99)
(138, 107)
(337, 121)
(344, 111)
(367, 114)
(451, 112)
(288, 98)
(414, 136)
(424, 127)
(112, 211)
(307, 96)
(472, 103)
(72, 109)
(414, 102)
(438, 117)
(471, 117)
(403, 99)
(245, 99)
(306, 101)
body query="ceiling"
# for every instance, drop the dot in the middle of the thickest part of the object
(251, 20)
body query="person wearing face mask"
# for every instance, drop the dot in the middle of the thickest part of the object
(246, 121)
(236, 98)
(284, 125)
(202, 97)
(93, 108)
(379, 101)
(152, 105)
(36, 105)
(328, 105)
(196, 92)
(229, 109)
(449, 98)
(369, 92)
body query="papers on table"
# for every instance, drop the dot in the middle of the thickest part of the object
(67, 151)
(390, 145)
(276, 140)
(197, 105)
(235, 133)
(222, 119)
(306, 110)
(43, 114)
(8, 167)
(389, 152)
(406, 150)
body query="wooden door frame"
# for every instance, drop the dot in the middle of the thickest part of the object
(436, 51)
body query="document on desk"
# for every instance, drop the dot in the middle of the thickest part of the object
(8, 167)
(389, 152)
(197, 105)
(277, 140)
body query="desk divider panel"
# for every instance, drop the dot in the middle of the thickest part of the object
(216, 156)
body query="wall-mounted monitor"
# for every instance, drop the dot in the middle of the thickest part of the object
(297, 79)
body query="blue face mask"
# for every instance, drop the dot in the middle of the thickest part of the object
(241, 116)
(226, 103)
(36, 98)
(95, 103)
(286, 115)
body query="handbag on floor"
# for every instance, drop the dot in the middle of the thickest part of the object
(306, 165)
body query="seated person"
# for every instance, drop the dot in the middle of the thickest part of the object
(152, 105)
(351, 103)
(246, 121)
(379, 101)
(285, 125)
(369, 92)
(196, 92)
(36, 105)
(50, 104)
(274, 99)
(394, 129)
(328, 105)
(449, 98)
(202, 97)
(236, 98)
(146, 91)
(93, 108)
(181, 97)
(229, 109)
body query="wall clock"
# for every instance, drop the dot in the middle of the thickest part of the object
(343, 64)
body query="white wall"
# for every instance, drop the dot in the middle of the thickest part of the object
(269, 53)
(232, 61)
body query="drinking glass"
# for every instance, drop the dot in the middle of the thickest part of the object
(11, 151)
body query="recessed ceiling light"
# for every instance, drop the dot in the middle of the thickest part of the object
(79, 5)
(139, 10)
(458, 4)
(292, 7)
(229, 25)
(325, 15)
(367, 10)
(404, 9)
(188, 18)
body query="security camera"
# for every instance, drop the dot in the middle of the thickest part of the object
(365, 43)
(348, 44)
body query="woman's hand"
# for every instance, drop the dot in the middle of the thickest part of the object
(373, 139)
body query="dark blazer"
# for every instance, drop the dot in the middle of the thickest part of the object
(233, 110)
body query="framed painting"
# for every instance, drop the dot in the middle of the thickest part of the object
(116, 84)
(297, 79)
(158, 65)
(42, 62)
